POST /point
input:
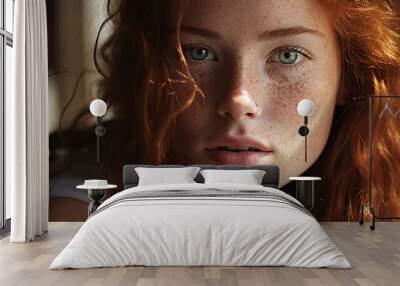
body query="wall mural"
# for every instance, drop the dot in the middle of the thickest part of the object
(220, 82)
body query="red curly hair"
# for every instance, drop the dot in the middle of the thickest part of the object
(147, 91)
(368, 32)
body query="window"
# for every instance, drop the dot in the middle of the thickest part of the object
(6, 64)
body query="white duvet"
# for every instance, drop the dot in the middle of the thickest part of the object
(183, 231)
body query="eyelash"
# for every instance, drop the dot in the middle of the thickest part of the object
(185, 48)
(301, 50)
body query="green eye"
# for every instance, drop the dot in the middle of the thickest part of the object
(288, 57)
(199, 54)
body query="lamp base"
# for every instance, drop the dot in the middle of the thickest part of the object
(303, 130)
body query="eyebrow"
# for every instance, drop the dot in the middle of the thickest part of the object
(201, 32)
(267, 35)
(292, 31)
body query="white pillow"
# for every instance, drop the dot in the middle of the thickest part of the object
(248, 177)
(162, 176)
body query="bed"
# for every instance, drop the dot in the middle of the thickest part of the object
(201, 224)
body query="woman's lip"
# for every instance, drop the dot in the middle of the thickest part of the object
(224, 157)
(238, 141)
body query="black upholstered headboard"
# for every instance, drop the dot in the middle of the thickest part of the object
(270, 179)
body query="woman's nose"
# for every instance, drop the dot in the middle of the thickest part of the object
(238, 100)
(240, 105)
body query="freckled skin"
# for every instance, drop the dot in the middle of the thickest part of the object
(243, 79)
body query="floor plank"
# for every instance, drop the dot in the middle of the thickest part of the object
(374, 255)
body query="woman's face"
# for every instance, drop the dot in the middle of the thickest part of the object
(254, 61)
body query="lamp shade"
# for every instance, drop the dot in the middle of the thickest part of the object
(98, 107)
(305, 107)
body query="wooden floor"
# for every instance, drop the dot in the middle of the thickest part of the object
(375, 257)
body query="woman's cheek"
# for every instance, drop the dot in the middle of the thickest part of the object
(209, 78)
(192, 123)
(282, 92)
(189, 122)
(286, 88)
(282, 95)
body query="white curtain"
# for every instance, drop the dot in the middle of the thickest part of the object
(26, 124)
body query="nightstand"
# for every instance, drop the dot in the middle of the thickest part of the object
(305, 190)
(96, 195)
